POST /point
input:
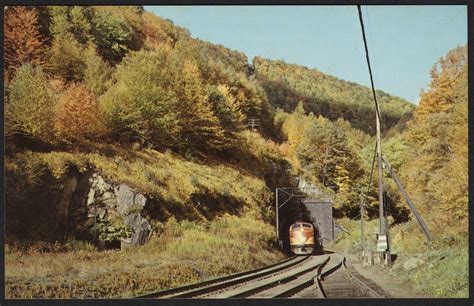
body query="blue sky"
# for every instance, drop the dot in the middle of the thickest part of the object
(404, 41)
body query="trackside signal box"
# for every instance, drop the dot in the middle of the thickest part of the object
(382, 244)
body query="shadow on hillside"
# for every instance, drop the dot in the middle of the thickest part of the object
(360, 116)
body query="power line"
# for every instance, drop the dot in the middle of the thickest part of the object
(383, 122)
(368, 63)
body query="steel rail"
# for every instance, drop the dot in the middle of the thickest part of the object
(302, 284)
(277, 281)
(350, 276)
(362, 284)
(193, 289)
(234, 284)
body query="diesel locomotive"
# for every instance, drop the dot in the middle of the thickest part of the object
(302, 238)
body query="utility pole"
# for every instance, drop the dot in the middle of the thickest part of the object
(276, 216)
(380, 173)
(383, 221)
(362, 212)
(253, 123)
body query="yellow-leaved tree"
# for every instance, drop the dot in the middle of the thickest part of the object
(435, 171)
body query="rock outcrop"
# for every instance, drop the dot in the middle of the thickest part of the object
(116, 209)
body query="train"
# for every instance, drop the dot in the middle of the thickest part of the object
(302, 238)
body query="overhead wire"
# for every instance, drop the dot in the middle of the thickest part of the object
(377, 107)
(383, 120)
(368, 63)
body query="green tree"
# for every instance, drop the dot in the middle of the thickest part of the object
(97, 73)
(226, 108)
(325, 95)
(324, 154)
(65, 58)
(141, 104)
(112, 36)
(30, 105)
(74, 20)
(108, 30)
(200, 128)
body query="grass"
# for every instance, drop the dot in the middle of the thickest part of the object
(210, 218)
(184, 252)
(440, 273)
(351, 243)
(441, 268)
(185, 189)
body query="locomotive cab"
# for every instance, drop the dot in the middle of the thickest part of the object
(302, 238)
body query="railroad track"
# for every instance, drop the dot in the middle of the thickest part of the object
(339, 280)
(310, 276)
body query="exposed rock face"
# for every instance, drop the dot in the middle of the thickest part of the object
(140, 226)
(128, 201)
(109, 203)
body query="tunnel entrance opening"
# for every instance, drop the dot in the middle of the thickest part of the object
(302, 208)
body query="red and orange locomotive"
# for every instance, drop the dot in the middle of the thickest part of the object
(302, 238)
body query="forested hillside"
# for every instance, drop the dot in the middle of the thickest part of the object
(121, 95)
(431, 158)
(288, 84)
(435, 165)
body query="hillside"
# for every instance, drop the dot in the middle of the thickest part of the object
(114, 103)
(123, 131)
(326, 95)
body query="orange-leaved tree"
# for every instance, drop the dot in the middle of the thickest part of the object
(77, 116)
(23, 41)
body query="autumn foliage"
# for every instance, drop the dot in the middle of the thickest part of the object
(77, 115)
(436, 167)
(440, 96)
(29, 106)
(22, 39)
(120, 74)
